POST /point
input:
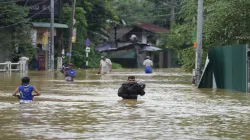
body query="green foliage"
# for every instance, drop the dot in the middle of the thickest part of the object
(12, 13)
(134, 11)
(14, 31)
(152, 11)
(188, 59)
(162, 11)
(178, 38)
(116, 66)
(225, 22)
(91, 17)
(97, 14)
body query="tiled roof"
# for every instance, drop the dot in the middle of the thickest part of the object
(120, 32)
(153, 28)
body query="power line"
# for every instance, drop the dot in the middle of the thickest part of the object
(26, 2)
(165, 4)
(25, 19)
(92, 22)
(38, 3)
(10, 1)
(150, 17)
(25, 5)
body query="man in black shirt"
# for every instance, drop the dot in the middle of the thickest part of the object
(131, 89)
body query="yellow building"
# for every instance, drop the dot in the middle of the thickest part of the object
(40, 39)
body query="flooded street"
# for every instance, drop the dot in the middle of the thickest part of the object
(89, 108)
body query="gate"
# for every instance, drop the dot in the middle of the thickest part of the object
(41, 62)
(227, 68)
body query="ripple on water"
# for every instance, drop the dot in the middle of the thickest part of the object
(90, 109)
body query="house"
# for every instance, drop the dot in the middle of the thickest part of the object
(132, 45)
(40, 40)
(40, 37)
(40, 9)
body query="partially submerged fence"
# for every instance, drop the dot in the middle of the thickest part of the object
(20, 66)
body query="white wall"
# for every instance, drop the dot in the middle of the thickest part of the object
(144, 37)
(157, 42)
(33, 37)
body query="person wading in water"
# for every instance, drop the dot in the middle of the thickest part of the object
(105, 66)
(148, 65)
(131, 89)
(25, 91)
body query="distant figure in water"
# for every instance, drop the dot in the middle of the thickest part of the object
(131, 89)
(69, 72)
(25, 91)
(105, 65)
(148, 65)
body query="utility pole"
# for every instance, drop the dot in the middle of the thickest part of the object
(60, 38)
(115, 27)
(71, 29)
(87, 43)
(198, 61)
(52, 36)
(172, 12)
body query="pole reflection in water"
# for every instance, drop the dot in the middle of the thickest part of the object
(89, 108)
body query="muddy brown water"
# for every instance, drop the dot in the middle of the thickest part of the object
(89, 108)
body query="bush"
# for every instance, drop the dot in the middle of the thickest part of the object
(188, 59)
(116, 66)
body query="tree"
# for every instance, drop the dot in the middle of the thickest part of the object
(15, 34)
(225, 23)
(91, 21)
(134, 11)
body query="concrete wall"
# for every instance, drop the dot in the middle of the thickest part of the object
(144, 37)
(161, 59)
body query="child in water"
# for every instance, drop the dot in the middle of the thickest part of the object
(25, 90)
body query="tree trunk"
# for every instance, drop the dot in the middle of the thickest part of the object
(172, 18)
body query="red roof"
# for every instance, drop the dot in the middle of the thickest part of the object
(153, 28)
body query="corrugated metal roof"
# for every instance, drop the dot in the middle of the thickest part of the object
(47, 25)
(151, 48)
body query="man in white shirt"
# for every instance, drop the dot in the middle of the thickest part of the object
(148, 65)
(105, 65)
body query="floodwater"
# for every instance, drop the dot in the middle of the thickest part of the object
(89, 108)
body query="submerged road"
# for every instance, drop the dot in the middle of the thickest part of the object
(89, 108)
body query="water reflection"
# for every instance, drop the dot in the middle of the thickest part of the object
(130, 103)
(89, 108)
